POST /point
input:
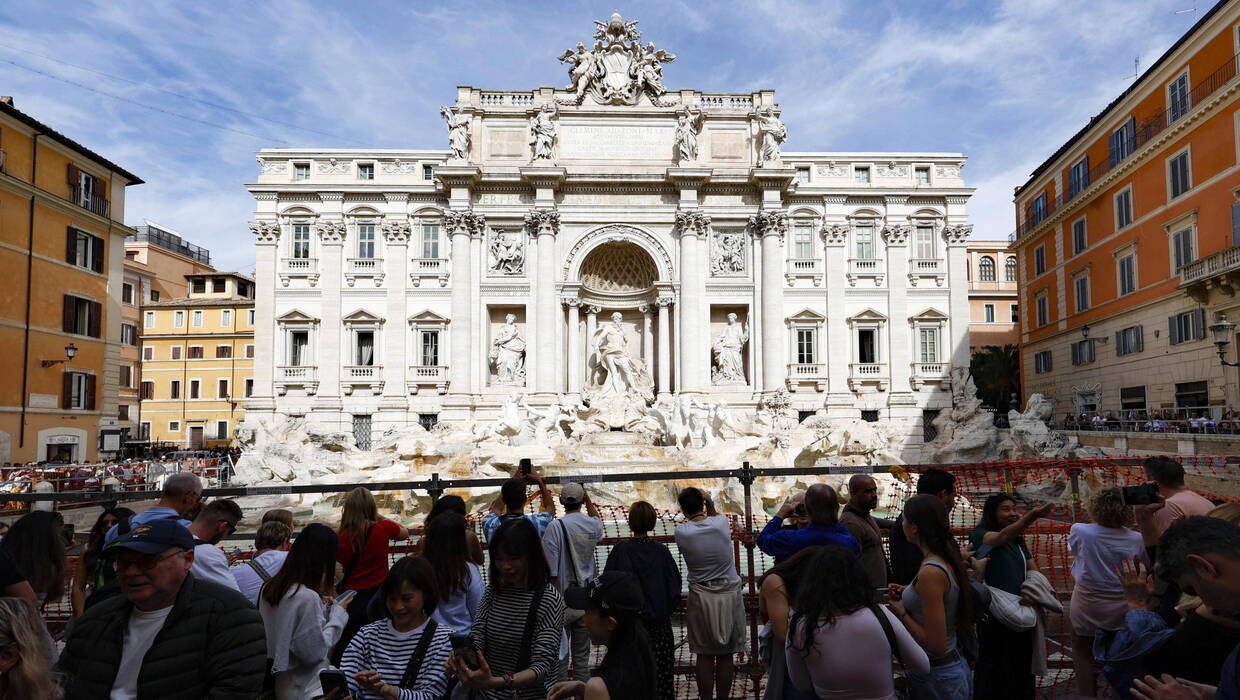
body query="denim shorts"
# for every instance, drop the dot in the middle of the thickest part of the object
(953, 681)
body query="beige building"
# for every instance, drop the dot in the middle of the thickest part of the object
(993, 309)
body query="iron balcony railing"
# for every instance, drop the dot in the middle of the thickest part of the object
(172, 242)
(91, 201)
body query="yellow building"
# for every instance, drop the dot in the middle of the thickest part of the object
(197, 361)
(62, 236)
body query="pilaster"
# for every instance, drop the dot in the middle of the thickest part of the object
(266, 244)
(771, 226)
(543, 224)
(957, 238)
(331, 350)
(837, 345)
(396, 234)
(462, 226)
(693, 227)
(899, 339)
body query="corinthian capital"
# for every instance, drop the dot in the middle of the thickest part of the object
(897, 234)
(834, 234)
(265, 232)
(464, 221)
(542, 221)
(396, 231)
(692, 222)
(330, 231)
(769, 223)
(957, 234)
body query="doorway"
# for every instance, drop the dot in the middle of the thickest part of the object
(60, 454)
(195, 437)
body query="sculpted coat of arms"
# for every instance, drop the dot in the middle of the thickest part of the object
(618, 70)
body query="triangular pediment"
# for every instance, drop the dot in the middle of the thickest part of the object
(930, 314)
(868, 315)
(362, 316)
(296, 316)
(428, 317)
(807, 314)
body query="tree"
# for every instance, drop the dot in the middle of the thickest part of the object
(996, 373)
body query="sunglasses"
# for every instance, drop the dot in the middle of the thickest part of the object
(145, 562)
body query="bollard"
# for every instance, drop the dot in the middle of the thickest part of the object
(746, 476)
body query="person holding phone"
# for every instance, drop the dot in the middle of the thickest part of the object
(300, 619)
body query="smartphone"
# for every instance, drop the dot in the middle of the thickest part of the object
(463, 646)
(1142, 495)
(333, 679)
(983, 551)
(345, 598)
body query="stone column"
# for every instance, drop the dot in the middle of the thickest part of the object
(664, 375)
(693, 226)
(647, 339)
(771, 226)
(332, 352)
(462, 225)
(899, 355)
(575, 354)
(957, 332)
(266, 241)
(395, 338)
(544, 224)
(591, 327)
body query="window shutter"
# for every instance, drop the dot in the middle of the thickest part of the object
(96, 254)
(70, 315)
(1173, 330)
(66, 390)
(100, 188)
(89, 403)
(74, 175)
(1076, 354)
(1199, 324)
(96, 320)
(1235, 224)
(1048, 360)
(1119, 343)
(1092, 355)
(1139, 346)
(71, 246)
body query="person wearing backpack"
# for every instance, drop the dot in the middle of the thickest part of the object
(364, 538)
(569, 546)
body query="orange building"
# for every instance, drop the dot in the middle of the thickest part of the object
(61, 251)
(993, 308)
(1126, 238)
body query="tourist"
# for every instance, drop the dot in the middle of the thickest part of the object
(301, 620)
(840, 643)
(868, 530)
(404, 654)
(906, 557)
(453, 504)
(520, 624)
(217, 519)
(776, 590)
(25, 654)
(824, 527)
(212, 638)
(1004, 667)
(90, 575)
(715, 611)
(658, 575)
(938, 607)
(283, 516)
(1176, 501)
(460, 580)
(1098, 549)
(36, 546)
(511, 506)
(179, 495)
(569, 547)
(271, 547)
(612, 606)
(363, 553)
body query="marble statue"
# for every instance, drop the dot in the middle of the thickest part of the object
(1030, 434)
(507, 252)
(458, 132)
(688, 126)
(966, 431)
(543, 133)
(772, 133)
(727, 254)
(614, 370)
(551, 422)
(583, 70)
(728, 352)
(618, 69)
(508, 353)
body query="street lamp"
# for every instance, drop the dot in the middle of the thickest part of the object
(1222, 330)
(70, 352)
(1085, 334)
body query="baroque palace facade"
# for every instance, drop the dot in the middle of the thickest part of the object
(564, 228)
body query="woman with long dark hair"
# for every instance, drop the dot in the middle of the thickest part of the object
(90, 574)
(460, 580)
(520, 622)
(776, 591)
(36, 543)
(301, 620)
(453, 504)
(364, 538)
(938, 604)
(1004, 669)
(840, 643)
(613, 604)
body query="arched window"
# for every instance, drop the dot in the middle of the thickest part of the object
(986, 269)
(1010, 270)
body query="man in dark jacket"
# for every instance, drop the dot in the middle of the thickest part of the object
(905, 556)
(169, 635)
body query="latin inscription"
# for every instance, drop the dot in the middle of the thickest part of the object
(615, 142)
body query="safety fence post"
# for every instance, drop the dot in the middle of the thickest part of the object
(746, 476)
(433, 488)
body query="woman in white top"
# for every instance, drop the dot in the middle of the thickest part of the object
(460, 582)
(1098, 548)
(301, 620)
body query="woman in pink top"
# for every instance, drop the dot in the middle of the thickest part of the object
(836, 645)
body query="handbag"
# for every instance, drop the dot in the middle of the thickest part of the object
(1006, 609)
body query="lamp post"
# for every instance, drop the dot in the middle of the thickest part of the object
(70, 352)
(1222, 330)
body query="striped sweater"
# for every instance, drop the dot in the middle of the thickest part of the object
(498, 633)
(379, 647)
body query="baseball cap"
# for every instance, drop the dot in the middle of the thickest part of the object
(152, 537)
(572, 494)
(613, 591)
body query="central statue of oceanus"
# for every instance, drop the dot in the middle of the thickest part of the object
(614, 371)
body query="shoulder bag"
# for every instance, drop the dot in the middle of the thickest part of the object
(419, 655)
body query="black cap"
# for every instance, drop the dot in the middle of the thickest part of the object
(614, 591)
(152, 537)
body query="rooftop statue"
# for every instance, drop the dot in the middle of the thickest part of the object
(618, 69)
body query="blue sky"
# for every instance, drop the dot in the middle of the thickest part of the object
(1003, 81)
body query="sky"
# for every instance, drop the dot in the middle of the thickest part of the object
(183, 94)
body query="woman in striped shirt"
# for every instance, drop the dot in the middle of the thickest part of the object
(379, 661)
(520, 623)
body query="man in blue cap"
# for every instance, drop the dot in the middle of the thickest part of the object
(169, 635)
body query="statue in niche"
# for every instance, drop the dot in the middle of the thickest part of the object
(508, 353)
(614, 371)
(543, 133)
(507, 252)
(727, 254)
(458, 133)
(688, 125)
(772, 133)
(728, 351)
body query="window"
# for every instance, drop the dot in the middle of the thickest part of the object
(195, 352)
(147, 391)
(1177, 97)
(223, 351)
(299, 348)
(226, 318)
(364, 354)
(1130, 340)
(921, 176)
(989, 313)
(126, 378)
(430, 348)
(924, 243)
(1037, 210)
(366, 241)
(301, 171)
(428, 172)
(219, 285)
(361, 431)
(243, 289)
(175, 352)
(1192, 394)
(195, 388)
(861, 175)
(84, 250)
(806, 346)
(986, 269)
(221, 389)
(82, 317)
(174, 389)
(365, 171)
(430, 241)
(1126, 268)
(154, 295)
(1182, 249)
(1081, 287)
(802, 173)
(249, 388)
(869, 416)
(129, 334)
(79, 391)
(148, 319)
(174, 426)
(249, 350)
(178, 319)
(428, 420)
(1078, 177)
(1042, 361)
(1079, 239)
(127, 293)
(1123, 208)
(221, 430)
(1123, 141)
(803, 241)
(1083, 352)
(867, 345)
(864, 239)
(148, 353)
(200, 285)
(1041, 304)
(1186, 326)
(197, 318)
(301, 240)
(1039, 259)
(1132, 398)
(249, 316)
(1178, 174)
(144, 430)
(1009, 269)
(928, 344)
(1015, 313)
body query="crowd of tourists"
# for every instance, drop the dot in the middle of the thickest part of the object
(161, 611)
